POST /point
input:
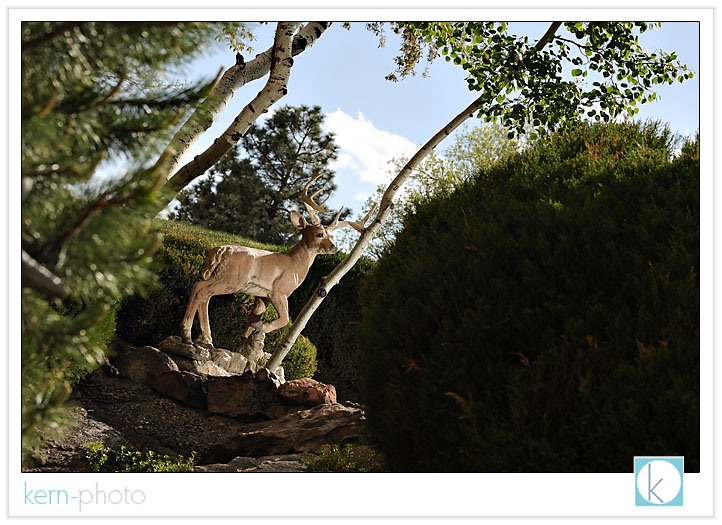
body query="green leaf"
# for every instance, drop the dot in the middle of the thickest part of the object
(576, 72)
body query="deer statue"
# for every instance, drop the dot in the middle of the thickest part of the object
(268, 276)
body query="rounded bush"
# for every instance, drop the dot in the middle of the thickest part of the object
(545, 316)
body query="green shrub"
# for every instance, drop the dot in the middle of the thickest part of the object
(149, 320)
(350, 458)
(122, 459)
(334, 327)
(544, 317)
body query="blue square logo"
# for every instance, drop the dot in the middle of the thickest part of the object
(659, 481)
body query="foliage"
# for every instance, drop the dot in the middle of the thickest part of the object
(91, 93)
(178, 260)
(350, 458)
(545, 316)
(334, 328)
(252, 195)
(438, 174)
(301, 360)
(593, 69)
(122, 459)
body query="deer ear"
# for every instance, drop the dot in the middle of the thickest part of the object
(298, 220)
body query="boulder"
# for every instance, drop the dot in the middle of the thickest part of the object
(302, 431)
(142, 364)
(186, 387)
(247, 394)
(174, 345)
(306, 392)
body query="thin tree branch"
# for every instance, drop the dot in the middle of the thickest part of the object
(275, 88)
(234, 78)
(385, 209)
(544, 40)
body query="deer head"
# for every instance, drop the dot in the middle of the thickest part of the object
(314, 233)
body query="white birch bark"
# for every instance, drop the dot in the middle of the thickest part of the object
(385, 208)
(275, 88)
(234, 78)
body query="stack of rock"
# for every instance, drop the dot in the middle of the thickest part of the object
(206, 359)
(221, 381)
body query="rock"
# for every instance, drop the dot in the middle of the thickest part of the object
(285, 463)
(206, 368)
(143, 364)
(174, 345)
(306, 392)
(302, 431)
(210, 368)
(247, 394)
(253, 355)
(232, 362)
(280, 373)
(186, 387)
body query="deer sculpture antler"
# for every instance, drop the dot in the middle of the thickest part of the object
(313, 207)
(359, 226)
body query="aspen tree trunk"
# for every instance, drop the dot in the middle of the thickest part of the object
(278, 60)
(385, 208)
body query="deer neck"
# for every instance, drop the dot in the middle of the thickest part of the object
(302, 257)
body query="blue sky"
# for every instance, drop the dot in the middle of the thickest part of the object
(375, 119)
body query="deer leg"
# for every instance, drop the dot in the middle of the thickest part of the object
(255, 321)
(205, 324)
(190, 314)
(200, 295)
(280, 303)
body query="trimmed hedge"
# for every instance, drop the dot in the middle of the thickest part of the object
(149, 320)
(544, 317)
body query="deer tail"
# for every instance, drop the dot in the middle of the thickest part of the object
(213, 260)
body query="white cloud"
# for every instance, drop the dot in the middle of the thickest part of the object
(365, 148)
(362, 196)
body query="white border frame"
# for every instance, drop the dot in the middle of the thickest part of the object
(372, 494)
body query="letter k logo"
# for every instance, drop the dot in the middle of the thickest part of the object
(659, 480)
(649, 484)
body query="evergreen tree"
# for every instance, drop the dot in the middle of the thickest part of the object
(91, 92)
(251, 191)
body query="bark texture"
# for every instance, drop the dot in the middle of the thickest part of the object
(277, 60)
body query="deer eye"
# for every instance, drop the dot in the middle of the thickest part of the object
(319, 235)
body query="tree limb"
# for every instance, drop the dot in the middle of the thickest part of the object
(275, 88)
(235, 77)
(385, 209)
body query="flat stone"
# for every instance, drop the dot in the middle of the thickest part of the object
(301, 431)
(285, 463)
(174, 345)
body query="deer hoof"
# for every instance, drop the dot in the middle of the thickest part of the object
(186, 340)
